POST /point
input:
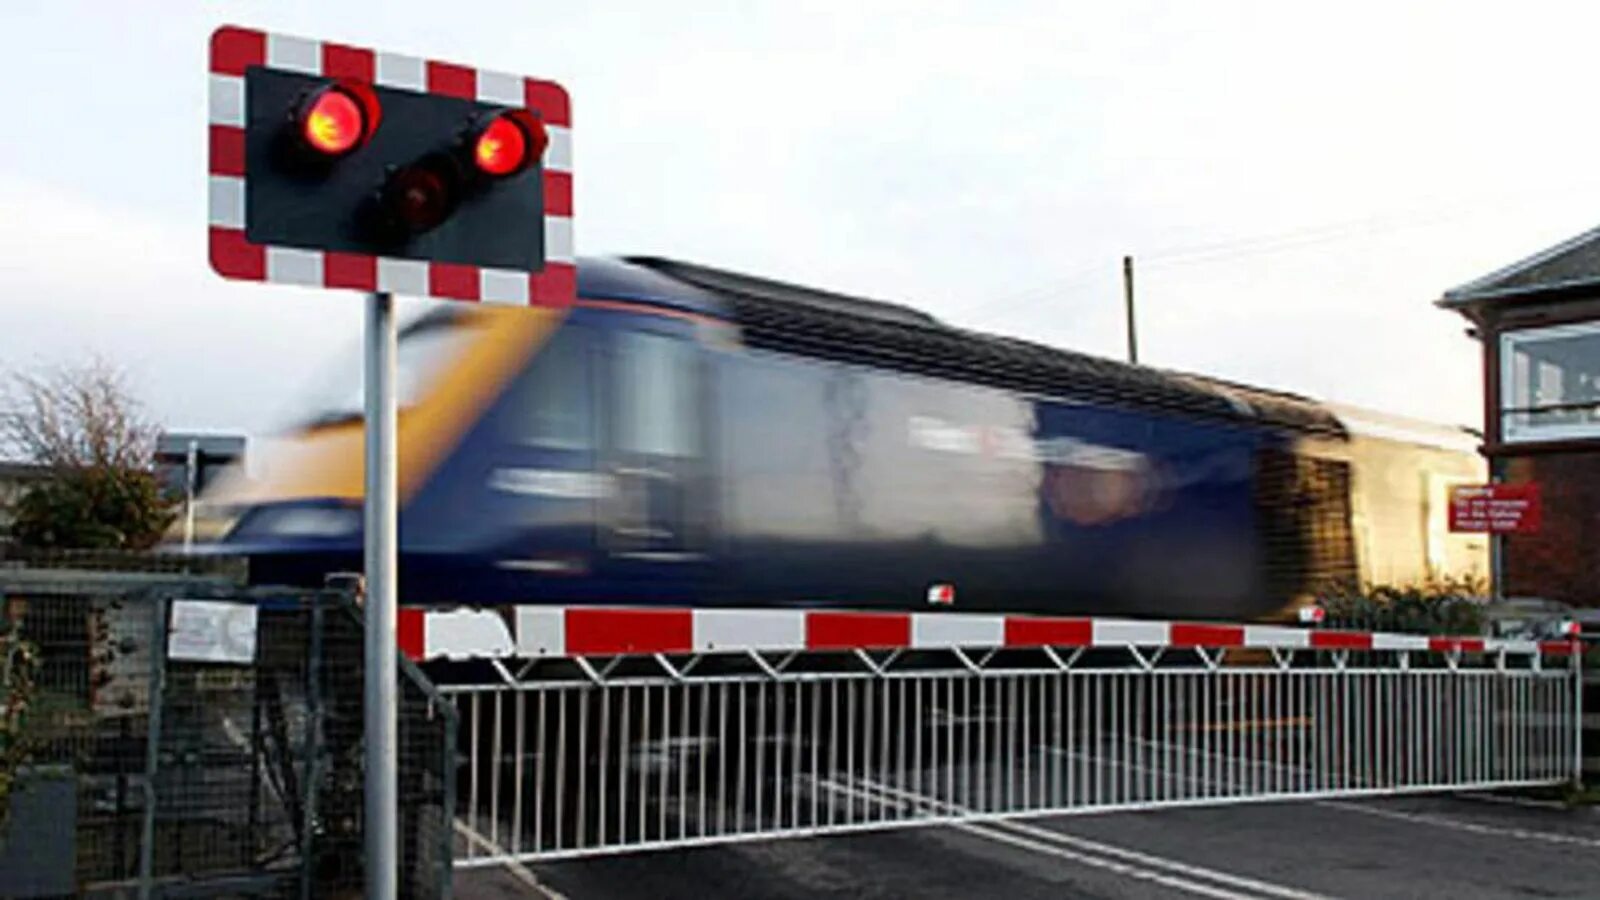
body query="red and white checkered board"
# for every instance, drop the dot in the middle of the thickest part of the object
(233, 50)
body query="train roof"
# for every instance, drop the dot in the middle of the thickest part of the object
(884, 334)
(1374, 423)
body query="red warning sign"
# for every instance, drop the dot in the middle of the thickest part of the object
(1495, 508)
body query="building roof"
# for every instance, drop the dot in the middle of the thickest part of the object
(16, 470)
(207, 443)
(1570, 265)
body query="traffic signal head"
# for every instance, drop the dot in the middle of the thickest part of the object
(506, 143)
(337, 118)
(350, 168)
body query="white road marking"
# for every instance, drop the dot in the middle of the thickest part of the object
(1239, 881)
(1525, 802)
(1471, 827)
(1110, 865)
(518, 871)
(1087, 846)
(1175, 882)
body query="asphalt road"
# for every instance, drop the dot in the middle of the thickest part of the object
(1403, 847)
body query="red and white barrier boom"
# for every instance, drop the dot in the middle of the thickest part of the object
(544, 632)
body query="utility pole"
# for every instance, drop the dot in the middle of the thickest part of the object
(1127, 294)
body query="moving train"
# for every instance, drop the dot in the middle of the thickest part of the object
(686, 435)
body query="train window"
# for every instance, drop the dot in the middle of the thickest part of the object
(655, 402)
(1550, 383)
(554, 408)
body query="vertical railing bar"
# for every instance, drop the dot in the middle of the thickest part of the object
(794, 758)
(887, 808)
(519, 744)
(816, 742)
(684, 742)
(663, 779)
(722, 758)
(582, 764)
(538, 765)
(561, 768)
(916, 749)
(475, 748)
(624, 755)
(646, 761)
(704, 745)
(494, 770)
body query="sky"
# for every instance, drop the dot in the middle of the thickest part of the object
(1297, 182)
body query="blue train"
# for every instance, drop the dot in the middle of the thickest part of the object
(685, 435)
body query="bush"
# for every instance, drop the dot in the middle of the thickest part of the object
(93, 509)
(85, 425)
(1436, 607)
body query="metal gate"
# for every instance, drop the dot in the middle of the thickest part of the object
(596, 731)
(205, 770)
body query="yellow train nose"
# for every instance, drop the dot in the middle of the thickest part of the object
(327, 462)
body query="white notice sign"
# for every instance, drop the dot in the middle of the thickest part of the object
(212, 631)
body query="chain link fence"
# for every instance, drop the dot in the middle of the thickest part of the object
(228, 764)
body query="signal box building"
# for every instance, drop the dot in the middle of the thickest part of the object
(1538, 321)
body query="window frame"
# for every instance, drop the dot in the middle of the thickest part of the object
(518, 419)
(1512, 433)
(685, 362)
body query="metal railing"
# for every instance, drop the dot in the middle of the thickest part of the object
(579, 755)
(201, 777)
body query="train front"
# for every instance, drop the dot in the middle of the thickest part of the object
(296, 514)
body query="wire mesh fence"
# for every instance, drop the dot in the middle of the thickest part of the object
(557, 768)
(206, 777)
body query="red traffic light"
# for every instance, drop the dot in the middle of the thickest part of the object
(338, 118)
(508, 143)
(502, 148)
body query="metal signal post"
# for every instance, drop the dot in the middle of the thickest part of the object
(380, 536)
(300, 134)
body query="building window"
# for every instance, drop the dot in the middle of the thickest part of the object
(1550, 383)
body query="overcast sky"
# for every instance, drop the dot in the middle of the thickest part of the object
(1298, 180)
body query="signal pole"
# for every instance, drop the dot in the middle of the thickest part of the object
(277, 217)
(381, 707)
(1127, 296)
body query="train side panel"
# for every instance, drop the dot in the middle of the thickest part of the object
(854, 486)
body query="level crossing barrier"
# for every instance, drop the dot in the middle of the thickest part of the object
(601, 730)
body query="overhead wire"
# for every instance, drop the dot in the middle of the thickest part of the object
(1222, 251)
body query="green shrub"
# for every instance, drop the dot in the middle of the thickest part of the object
(93, 509)
(1435, 607)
